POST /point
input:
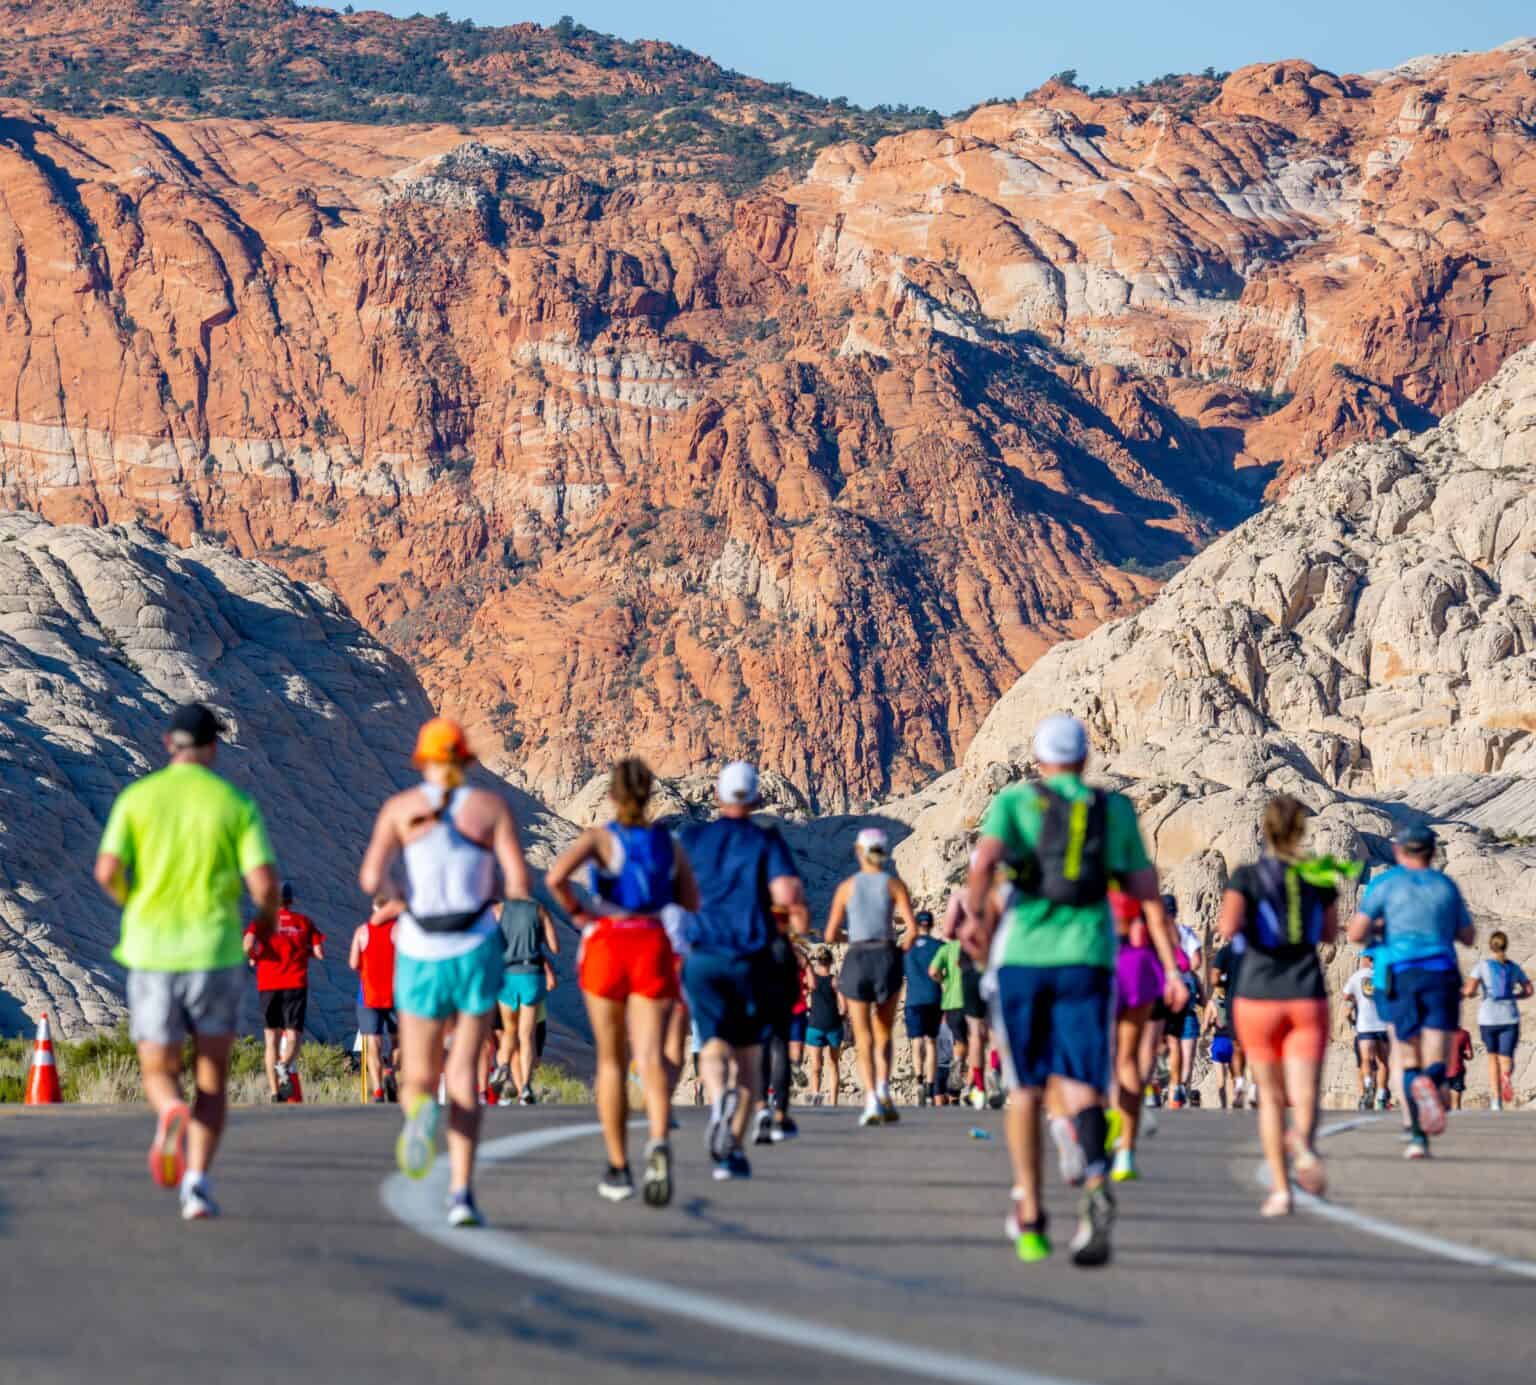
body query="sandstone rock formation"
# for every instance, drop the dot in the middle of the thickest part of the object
(102, 631)
(1367, 643)
(620, 455)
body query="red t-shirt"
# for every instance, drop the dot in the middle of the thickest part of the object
(376, 965)
(1461, 1050)
(282, 961)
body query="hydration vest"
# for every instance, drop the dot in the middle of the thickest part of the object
(641, 884)
(1069, 865)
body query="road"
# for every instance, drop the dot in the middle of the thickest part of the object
(846, 1242)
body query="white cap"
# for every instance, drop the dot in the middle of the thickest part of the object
(873, 839)
(1061, 740)
(737, 784)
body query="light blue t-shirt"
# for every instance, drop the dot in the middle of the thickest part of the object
(1500, 982)
(1423, 911)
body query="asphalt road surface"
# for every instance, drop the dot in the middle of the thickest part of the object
(851, 1255)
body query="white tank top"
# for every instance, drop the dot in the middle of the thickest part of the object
(448, 874)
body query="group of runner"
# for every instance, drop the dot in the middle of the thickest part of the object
(1062, 948)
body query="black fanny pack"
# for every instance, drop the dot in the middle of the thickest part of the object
(450, 923)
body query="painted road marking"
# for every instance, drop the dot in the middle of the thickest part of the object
(420, 1207)
(1391, 1231)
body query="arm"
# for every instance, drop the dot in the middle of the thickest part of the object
(112, 876)
(1229, 923)
(383, 846)
(551, 937)
(1471, 986)
(355, 952)
(509, 854)
(263, 884)
(903, 900)
(940, 968)
(1361, 927)
(975, 932)
(317, 944)
(839, 910)
(558, 877)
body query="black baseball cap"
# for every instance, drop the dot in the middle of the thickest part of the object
(287, 892)
(1415, 836)
(924, 919)
(1170, 906)
(193, 724)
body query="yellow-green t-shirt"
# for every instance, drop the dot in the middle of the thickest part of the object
(186, 837)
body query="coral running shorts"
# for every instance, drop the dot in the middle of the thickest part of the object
(624, 957)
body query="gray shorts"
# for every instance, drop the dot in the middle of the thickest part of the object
(165, 1006)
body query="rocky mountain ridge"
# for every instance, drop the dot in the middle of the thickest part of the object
(620, 457)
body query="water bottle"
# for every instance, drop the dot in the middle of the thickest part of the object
(977, 1133)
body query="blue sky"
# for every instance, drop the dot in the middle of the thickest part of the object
(950, 55)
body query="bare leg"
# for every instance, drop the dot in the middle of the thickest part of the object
(211, 1102)
(814, 1070)
(506, 1048)
(1271, 1082)
(160, 1072)
(421, 1057)
(1301, 1087)
(1022, 1126)
(610, 1036)
(1175, 1063)
(674, 1049)
(1129, 1029)
(863, 1045)
(465, 1084)
(749, 1081)
(1187, 1055)
(525, 1060)
(269, 1040)
(647, 1031)
(374, 1062)
(883, 1021)
(835, 1073)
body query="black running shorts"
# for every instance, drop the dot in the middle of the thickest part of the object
(872, 973)
(285, 1009)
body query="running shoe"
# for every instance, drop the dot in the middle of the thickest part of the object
(1069, 1153)
(1506, 1089)
(1309, 1172)
(197, 1202)
(278, 1098)
(616, 1185)
(1431, 1110)
(762, 1133)
(1417, 1148)
(976, 1098)
(416, 1145)
(1150, 1100)
(378, 1096)
(1090, 1246)
(168, 1150)
(888, 1112)
(1178, 1100)
(500, 1079)
(718, 1139)
(1033, 1245)
(1496, 1104)
(1147, 1125)
(284, 1082)
(785, 1130)
(462, 1210)
(733, 1166)
(1383, 1100)
(1123, 1167)
(657, 1180)
(527, 1098)
(1114, 1127)
(872, 1115)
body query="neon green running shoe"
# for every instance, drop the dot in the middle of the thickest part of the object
(1033, 1247)
(416, 1145)
(1114, 1124)
(1124, 1168)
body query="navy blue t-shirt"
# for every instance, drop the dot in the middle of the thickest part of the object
(733, 860)
(922, 989)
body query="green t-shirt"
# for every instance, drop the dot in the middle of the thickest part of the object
(186, 837)
(1042, 934)
(947, 964)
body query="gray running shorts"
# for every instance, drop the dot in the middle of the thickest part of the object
(165, 1006)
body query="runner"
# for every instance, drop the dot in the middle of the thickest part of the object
(1053, 968)
(774, 1124)
(452, 839)
(1456, 1067)
(628, 970)
(824, 1033)
(176, 848)
(744, 872)
(1373, 1045)
(1503, 985)
(869, 902)
(1283, 907)
(1223, 975)
(1145, 959)
(1415, 916)
(964, 1009)
(282, 983)
(924, 1009)
(1183, 1029)
(529, 940)
(372, 957)
(1218, 1024)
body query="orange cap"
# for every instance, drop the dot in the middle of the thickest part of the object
(441, 741)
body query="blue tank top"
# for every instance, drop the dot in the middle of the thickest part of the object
(642, 880)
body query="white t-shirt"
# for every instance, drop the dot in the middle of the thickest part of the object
(1189, 941)
(1361, 987)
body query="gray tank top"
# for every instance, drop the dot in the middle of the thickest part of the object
(522, 933)
(870, 908)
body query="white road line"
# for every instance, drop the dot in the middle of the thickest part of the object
(420, 1207)
(1391, 1231)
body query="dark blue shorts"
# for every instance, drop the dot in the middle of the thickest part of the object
(1421, 999)
(823, 1038)
(1056, 1022)
(798, 1024)
(374, 1022)
(1501, 1039)
(1187, 1025)
(731, 997)
(923, 1021)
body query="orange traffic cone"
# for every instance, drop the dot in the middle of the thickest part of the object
(43, 1080)
(296, 1086)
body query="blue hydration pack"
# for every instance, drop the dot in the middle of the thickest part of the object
(643, 882)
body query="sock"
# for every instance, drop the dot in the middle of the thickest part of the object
(1092, 1132)
(1410, 1075)
(191, 1181)
(883, 1090)
(976, 1077)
